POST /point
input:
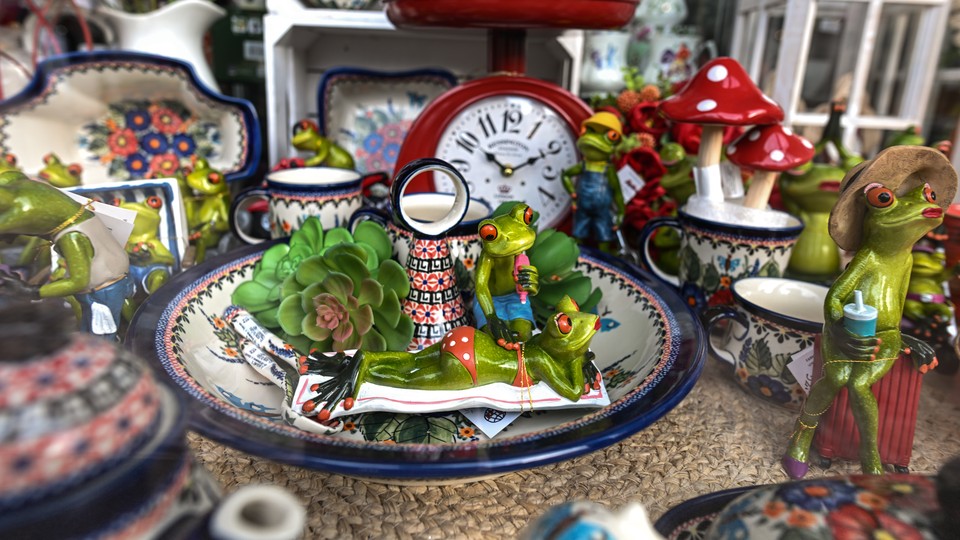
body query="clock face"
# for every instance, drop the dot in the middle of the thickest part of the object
(511, 148)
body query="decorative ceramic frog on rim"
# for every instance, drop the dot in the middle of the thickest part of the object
(679, 178)
(208, 207)
(810, 195)
(56, 173)
(307, 137)
(597, 205)
(96, 265)
(886, 205)
(927, 312)
(8, 162)
(150, 260)
(467, 358)
(503, 277)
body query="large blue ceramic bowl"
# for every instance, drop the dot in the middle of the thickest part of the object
(650, 352)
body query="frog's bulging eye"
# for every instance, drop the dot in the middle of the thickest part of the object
(879, 196)
(10, 159)
(154, 202)
(583, 130)
(489, 232)
(613, 136)
(75, 169)
(929, 194)
(117, 201)
(47, 159)
(214, 178)
(528, 215)
(564, 324)
(304, 125)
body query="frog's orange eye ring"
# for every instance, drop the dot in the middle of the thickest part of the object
(583, 130)
(10, 159)
(75, 169)
(528, 215)
(47, 158)
(613, 136)
(304, 125)
(564, 324)
(489, 232)
(879, 196)
(929, 194)
(117, 201)
(214, 178)
(154, 202)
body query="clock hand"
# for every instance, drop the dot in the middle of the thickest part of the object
(530, 161)
(503, 168)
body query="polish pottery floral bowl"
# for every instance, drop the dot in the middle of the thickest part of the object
(127, 116)
(650, 351)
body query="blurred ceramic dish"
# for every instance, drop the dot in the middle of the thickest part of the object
(690, 520)
(369, 112)
(125, 116)
(650, 352)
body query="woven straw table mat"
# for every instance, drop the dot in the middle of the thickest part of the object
(718, 437)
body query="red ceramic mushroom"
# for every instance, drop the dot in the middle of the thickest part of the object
(720, 94)
(768, 150)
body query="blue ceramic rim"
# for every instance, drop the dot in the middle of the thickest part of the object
(621, 419)
(47, 68)
(332, 74)
(697, 507)
(141, 184)
(745, 231)
(787, 321)
(472, 200)
(293, 189)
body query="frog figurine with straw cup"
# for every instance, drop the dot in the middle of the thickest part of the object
(886, 205)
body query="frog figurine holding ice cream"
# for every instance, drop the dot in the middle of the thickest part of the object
(598, 205)
(885, 206)
(503, 276)
(96, 265)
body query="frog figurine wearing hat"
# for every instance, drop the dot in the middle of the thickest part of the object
(885, 206)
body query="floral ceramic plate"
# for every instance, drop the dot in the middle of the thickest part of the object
(650, 350)
(124, 115)
(690, 520)
(370, 112)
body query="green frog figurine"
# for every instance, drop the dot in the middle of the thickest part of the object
(597, 205)
(810, 196)
(8, 162)
(885, 206)
(56, 173)
(503, 277)
(207, 206)
(466, 358)
(150, 260)
(96, 265)
(307, 137)
(927, 312)
(679, 178)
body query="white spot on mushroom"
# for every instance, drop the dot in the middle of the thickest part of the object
(754, 135)
(788, 131)
(453, 343)
(464, 339)
(732, 149)
(706, 105)
(466, 356)
(717, 73)
(805, 142)
(777, 155)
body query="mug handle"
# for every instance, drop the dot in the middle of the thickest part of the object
(712, 316)
(382, 217)
(241, 203)
(710, 47)
(646, 234)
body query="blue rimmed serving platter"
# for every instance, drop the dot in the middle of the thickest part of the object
(650, 351)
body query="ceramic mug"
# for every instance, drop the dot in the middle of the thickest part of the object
(674, 56)
(329, 193)
(714, 255)
(772, 319)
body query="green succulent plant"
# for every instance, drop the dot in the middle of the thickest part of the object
(342, 278)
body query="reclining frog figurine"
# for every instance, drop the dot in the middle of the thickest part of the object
(885, 206)
(466, 358)
(502, 279)
(307, 137)
(150, 260)
(96, 265)
(207, 205)
(59, 174)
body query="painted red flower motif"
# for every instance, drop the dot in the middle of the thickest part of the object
(123, 142)
(723, 297)
(166, 121)
(644, 118)
(851, 522)
(164, 165)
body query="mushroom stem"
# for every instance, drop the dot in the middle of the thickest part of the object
(707, 177)
(760, 188)
(711, 143)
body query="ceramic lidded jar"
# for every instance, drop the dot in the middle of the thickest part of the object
(87, 435)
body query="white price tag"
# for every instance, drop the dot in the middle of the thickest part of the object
(489, 421)
(801, 365)
(630, 182)
(119, 221)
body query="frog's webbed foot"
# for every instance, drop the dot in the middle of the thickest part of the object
(501, 332)
(340, 387)
(923, 355)
(852, 345)
(591, 375)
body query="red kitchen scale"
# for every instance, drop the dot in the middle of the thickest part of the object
(509, 135)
